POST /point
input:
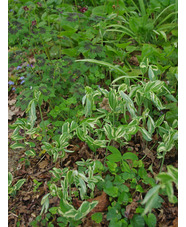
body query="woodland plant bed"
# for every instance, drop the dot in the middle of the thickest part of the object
(93, 108)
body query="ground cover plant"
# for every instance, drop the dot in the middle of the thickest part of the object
(93, 113)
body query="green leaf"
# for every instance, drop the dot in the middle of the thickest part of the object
(174, 173)
(17, 145)
(126, 98)
(150, 125)
(150, 220)
(80, 134)
(170, 191)
(112, 100)
(151, 75)
(159, 121)
(84, 209)
(125, 167)
(65, 127)
(64, 205)
(31, 153)
(115, 156)
(104, 64)
(164, 177)
(10, 178)
(32, 114)
(97, 217)
(83, 188)
(137, 221)
(146, 135)
(111, 191)
(45, 203)
(19, 184)
(152, 97)
(123, 198)
(73, 126)
(112, 167)
(109, 131)
(151, 198)
(130, 155)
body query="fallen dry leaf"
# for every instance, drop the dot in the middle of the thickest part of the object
(10, 114)
(11, 102)
(134, 61)
(43, 164)
(149, 154)
(175, 223)
(130, 209)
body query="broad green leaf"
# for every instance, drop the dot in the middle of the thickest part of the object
(137, 221)
(112, 100)
(80, 134)
(111, 191)
(93, 204)
(120, 132)
(83, 188)
(19, 184)
(164, 177)
(100, 143)
(152, 97)
(170, 191)
(64, 205)
(146, 135)
(112, 167)
(31, 153)
(17, 145)
(97, 217)
(126, 98)
(145, 114)
(151, 75)
(109, 131)
(151, 199)
(153, 86)
(88, 106)
(73, 126)
(125, 167)
(84, 209)
(16, 136)
(10, 178)
(32, 114)
(115, 156)
(161, 147)
(150, 220)
(123, 198)
(150, 125)
(175, 123)
(174, 173)
(130, 155)
(65, 128)
(159, 121)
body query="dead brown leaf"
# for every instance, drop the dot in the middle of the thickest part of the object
(130, 209)
(43, 164)
(105, 104)
(175, 223)
(134, 61)
(11, 102)
(10, 114)
(149, 154)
